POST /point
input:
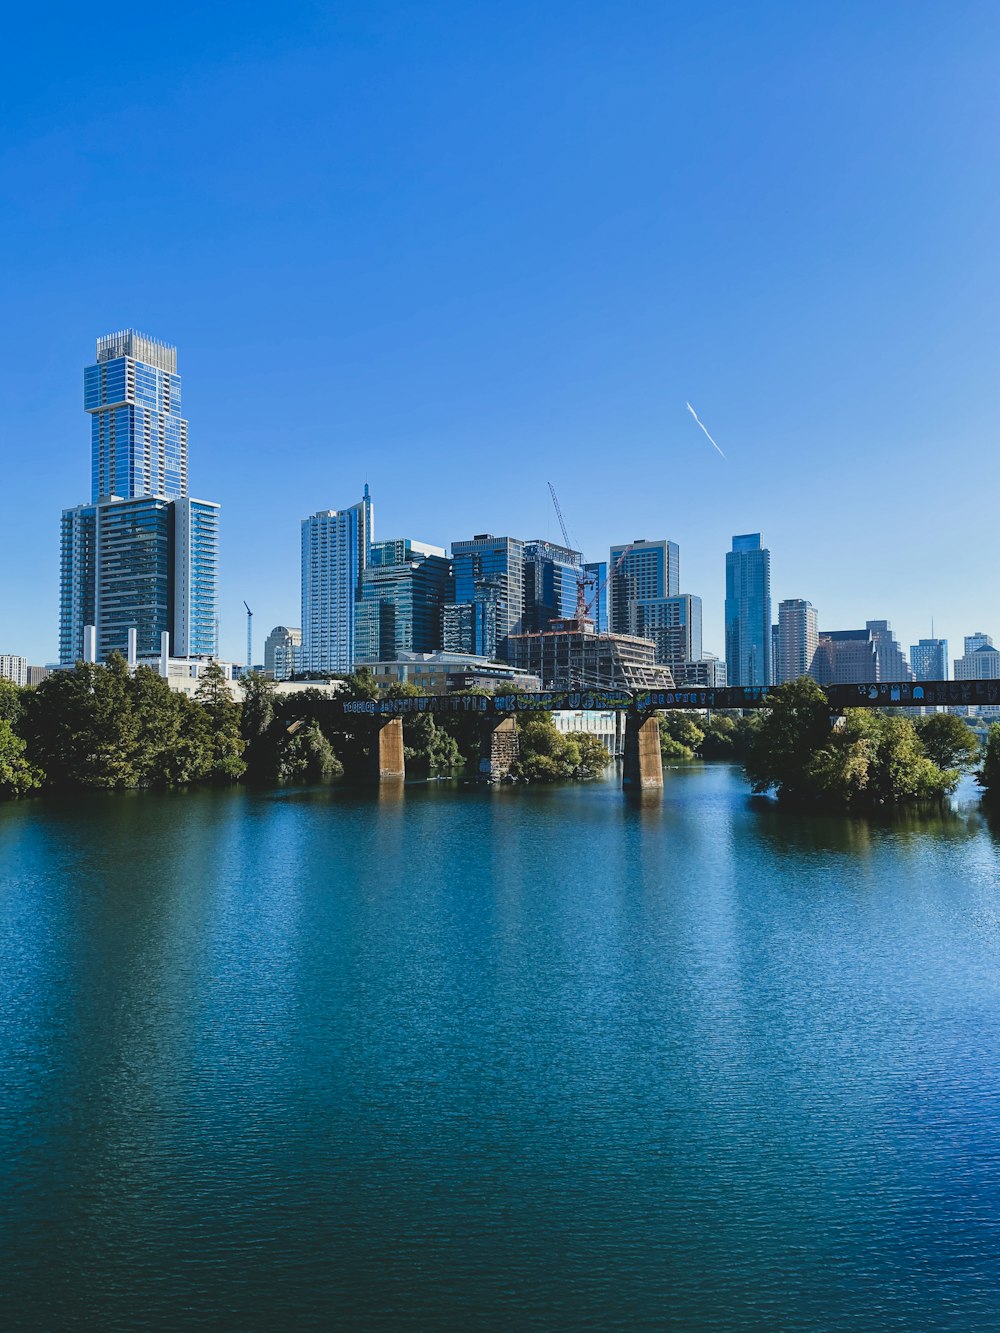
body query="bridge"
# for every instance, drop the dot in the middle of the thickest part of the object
(642, 766)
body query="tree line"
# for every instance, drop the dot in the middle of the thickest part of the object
(106, 727)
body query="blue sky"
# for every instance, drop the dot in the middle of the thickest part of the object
(459, 250)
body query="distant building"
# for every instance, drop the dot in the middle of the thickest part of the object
(845, 657)
(597, 593)
(335, 545)
(572, 654)
(929, 659)
(748, 611)
(798, 638)
(403, 592)
(36, 674)
(488, 598)
(643, 572)
(552, 577)
(281, 652)
(606, 726)
(892, 663)
(980, 661)
(706, 673)
(673, 624)
(14, 668)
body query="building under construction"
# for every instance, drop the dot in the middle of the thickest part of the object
(570, 653)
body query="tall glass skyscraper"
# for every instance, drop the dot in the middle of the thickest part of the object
(143, 554)
(929, 659)
(403, 592)
(489, 595)
(335, 547)
(138, 438)
(551, 577)
(748, 611)
(647, 572)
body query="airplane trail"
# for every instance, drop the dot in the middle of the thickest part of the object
(707, 436)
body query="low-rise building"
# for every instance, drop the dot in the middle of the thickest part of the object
(606, 726)
(571, 653)
(445, 672)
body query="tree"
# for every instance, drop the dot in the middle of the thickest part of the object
(988, 776)
(872, 759)
(792, 728)
(257, 726)
(307, 756)
(18, 776)
(680, 736)
(10, 701)
(548, 755)
(948, 741)
(225, 744)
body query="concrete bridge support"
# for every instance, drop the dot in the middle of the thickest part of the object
(643, 766)
(386, 762)
(500, 749)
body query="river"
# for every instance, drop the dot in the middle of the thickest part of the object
(456, 1058)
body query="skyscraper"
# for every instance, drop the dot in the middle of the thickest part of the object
(138, 436)
(892, 663)
(281, 652)
(403, 592)
(797, 639)
(748, 611)
(488, 601)
(335, 545)
(597, 593)
(551, 577)
(647, 572)
(980, 661)
(674, 626)
(142, 554)
(929, 659)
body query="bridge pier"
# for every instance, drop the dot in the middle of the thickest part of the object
(386, 762)
(499, 750)
(643, 766)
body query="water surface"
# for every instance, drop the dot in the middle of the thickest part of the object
(465, 1059)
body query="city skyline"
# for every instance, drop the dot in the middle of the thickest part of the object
(461, 339)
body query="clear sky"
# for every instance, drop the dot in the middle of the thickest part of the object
(462, 249)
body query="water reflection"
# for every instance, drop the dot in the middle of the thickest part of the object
(795, 829)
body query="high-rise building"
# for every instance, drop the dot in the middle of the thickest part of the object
(748, 611)
(551, 578)
(798, 638)
(403, 593)
(281, 652)
(892, 663)
(335, 545)
(14, 668)
(138, 436)
(488, 598)
(980, 661)
(929, 659)
(673, 624)
(643, 572)
(143, 554)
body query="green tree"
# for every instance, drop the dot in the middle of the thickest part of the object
(306, 756)
(10, 702)
(549, 755)
(792, 728)
(948, 741)
(225, 744)
(18, 776)
(680, 735)
(258, 726)
(988, 776)
(872, 759)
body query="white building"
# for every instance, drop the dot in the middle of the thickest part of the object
(335, 544)
(605, 726)
(798, 639)
(14, 668)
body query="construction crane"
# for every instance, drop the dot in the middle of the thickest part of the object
(249, 638)
(608, 577)
(582, 609)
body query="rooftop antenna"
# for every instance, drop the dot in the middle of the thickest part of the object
(249, 638)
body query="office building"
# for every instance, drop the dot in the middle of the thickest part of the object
(14, 669)
(845, 657)
(138, 436)
(36, 674)
(892, 663)
(403, 593)
(980, 661)
(798, 638)
(335, 545)
(929, 659)
(445, 673)
(281, 652)
(488, 599)
(673, 624)
(143, 554)
(552, 580)
(642, 571)
(707, 673)
(748, 611)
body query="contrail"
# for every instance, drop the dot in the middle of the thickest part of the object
(710, 440)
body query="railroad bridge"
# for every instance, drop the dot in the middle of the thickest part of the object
(642, 767)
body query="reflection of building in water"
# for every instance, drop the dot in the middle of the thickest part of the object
(572, 653)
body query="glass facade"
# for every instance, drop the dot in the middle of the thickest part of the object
(138, 436)
(196, 532)
(929, 659)
(403, 592)
(648, 571)
(77, 580)
(135, 549)
(551, 577)
(489, 581)
(748, 612)
(597, 593)
(674, 626)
